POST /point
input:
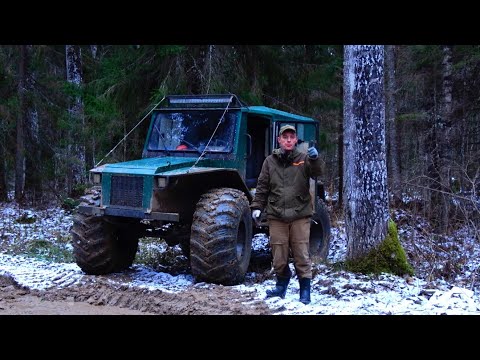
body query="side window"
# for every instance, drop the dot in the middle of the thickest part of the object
(309, 132)
(301, 131)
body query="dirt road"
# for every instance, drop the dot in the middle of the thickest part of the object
(102, 298)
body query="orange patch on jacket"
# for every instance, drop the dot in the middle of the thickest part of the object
(299, 163)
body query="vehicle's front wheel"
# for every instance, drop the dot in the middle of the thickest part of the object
(221, 238)
(102, 247)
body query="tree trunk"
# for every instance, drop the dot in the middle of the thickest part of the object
(33, 182)
(365, 168)
(439, 143)
(93, 49)
(20, 145)
(76, 148)
(390, 111)
(195, 68)
(34, 167)
(340, 160)
(3, 170)
(445, 138)
(209, 67)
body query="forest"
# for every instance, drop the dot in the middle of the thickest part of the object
(64, 107)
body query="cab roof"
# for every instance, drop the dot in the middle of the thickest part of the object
(221, 101)
(267, 111)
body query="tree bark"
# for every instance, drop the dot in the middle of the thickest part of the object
(33, 164)
(445, 137)
(76, 148)
(93, 49)
(365, 168)
(439, 145)
(35, 172)
(195, 61)
(3, 170)
(20, 145)
(394, 176)
(341, 160)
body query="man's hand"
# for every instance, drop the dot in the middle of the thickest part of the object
(312, 153)
(256, 214)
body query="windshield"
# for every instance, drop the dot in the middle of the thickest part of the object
(191, 130)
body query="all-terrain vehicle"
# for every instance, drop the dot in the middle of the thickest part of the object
(192, 187)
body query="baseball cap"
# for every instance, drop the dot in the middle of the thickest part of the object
(285, 128)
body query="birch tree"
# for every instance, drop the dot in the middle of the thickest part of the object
(76, 149)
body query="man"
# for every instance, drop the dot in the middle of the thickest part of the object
(283, 190)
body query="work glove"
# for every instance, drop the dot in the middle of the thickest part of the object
(256, 214)
(312, 153)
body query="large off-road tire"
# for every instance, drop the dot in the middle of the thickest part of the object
(221, 238)
(320, 232)
(102, 247)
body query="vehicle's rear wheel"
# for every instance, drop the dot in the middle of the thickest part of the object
(102, 247)
(320, 232)
(221, 238)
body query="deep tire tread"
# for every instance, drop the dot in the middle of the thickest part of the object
(99, 248)
(216, 221)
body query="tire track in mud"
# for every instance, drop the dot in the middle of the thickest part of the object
(137, 289)
(38, 274)
(212, 301)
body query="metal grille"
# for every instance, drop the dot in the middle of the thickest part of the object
(127, 191)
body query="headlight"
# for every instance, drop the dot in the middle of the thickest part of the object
(97, 178)
(162, 182)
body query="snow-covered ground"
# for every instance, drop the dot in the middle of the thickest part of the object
(333, 292)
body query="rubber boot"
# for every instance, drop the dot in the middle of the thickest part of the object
(280, 287)
(304, 290)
